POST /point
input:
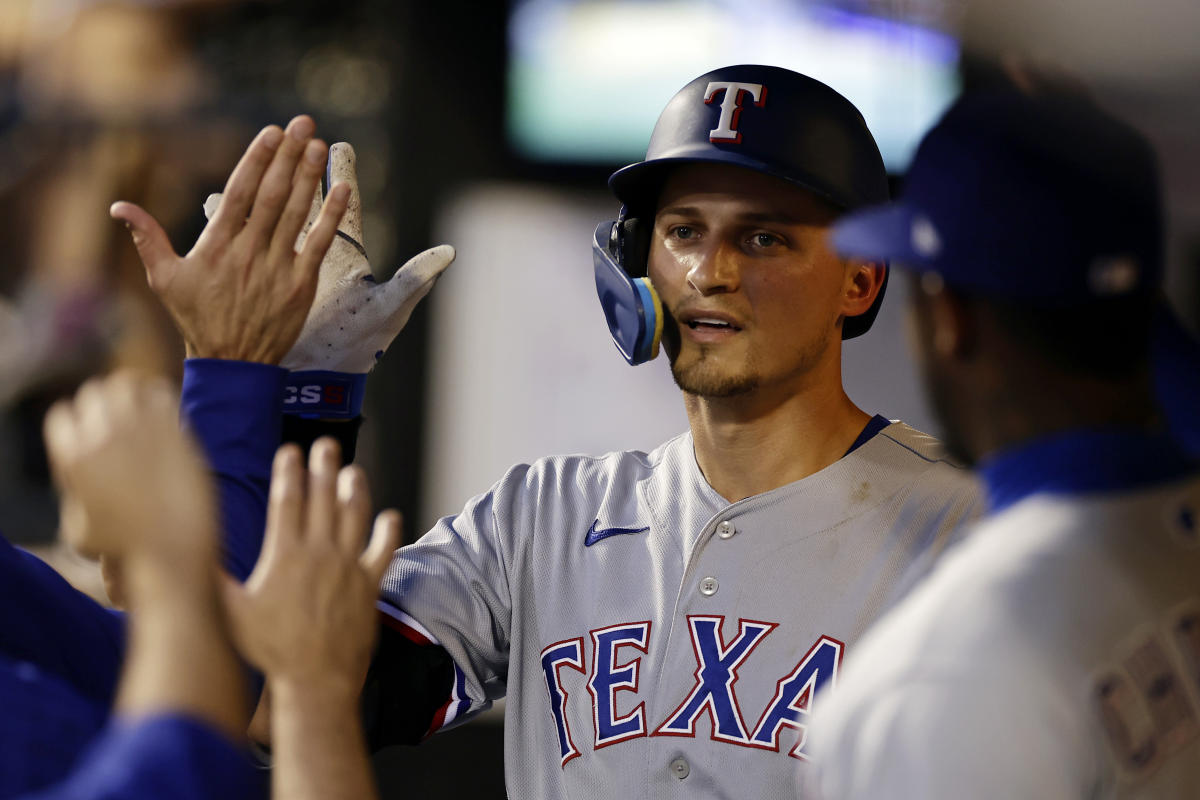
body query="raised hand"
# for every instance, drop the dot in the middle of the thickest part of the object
(243, 291)
(306, 616)
(353, 318)
(132, 482)
(136, 488)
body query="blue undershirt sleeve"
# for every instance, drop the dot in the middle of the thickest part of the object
(233, 408)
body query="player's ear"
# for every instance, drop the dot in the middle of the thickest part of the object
(864, 282)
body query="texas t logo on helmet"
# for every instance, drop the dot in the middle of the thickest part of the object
(731, 107)
(809, 135)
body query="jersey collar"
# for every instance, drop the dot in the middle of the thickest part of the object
(1081, 461)
(874, 426)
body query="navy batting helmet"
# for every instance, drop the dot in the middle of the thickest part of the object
(767, 119)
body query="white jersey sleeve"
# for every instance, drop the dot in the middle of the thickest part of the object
(456, 577)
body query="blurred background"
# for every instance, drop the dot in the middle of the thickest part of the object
(491, 126)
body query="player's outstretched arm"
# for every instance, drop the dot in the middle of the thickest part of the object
(353, 319)
(306, 617)
(241, 294)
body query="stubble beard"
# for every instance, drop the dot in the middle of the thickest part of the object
(704, 378)
(705, 375)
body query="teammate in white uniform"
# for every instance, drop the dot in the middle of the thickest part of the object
(1056, 652)
(661, 623)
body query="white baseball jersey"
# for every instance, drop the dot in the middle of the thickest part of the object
(1053, 654)
(653, 639)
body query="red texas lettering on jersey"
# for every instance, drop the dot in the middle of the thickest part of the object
(712, 693)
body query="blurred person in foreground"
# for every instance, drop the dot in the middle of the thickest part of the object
(1056, 652)
(81, 645)
(135, 486)
(60, 629)
(65, 632)
(309, 679)
(132, 486)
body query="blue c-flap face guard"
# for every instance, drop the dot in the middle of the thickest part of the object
(631, 305)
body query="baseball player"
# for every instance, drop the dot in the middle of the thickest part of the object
(660, 623)
(1056, 652)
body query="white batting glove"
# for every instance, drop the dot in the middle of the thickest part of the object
(353, 318)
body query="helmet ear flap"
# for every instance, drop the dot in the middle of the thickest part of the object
(631, 305)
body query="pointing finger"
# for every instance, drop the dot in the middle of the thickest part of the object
(342, 169)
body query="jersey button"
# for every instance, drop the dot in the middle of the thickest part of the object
(680, 768)
(726, 529)
(708, 586)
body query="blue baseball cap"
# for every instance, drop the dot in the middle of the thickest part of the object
(1043, 199)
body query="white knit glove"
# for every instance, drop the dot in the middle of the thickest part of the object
(353, 318)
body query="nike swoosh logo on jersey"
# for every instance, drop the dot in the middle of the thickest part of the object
(596, 534)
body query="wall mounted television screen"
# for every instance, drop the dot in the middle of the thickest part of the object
(587, 78)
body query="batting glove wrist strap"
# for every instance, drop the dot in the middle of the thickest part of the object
(322, 394)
